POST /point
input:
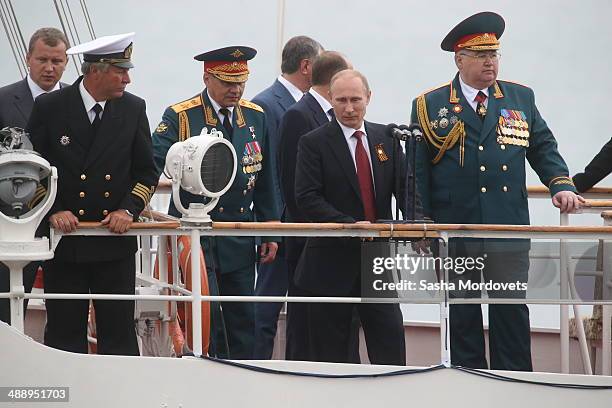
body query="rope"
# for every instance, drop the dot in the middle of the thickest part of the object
(8, 36)
(59, 15)
(73, 39)
(12, 34)
(92, 33)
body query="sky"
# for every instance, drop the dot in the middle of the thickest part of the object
(558, 48)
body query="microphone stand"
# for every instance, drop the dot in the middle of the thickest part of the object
(413, 137)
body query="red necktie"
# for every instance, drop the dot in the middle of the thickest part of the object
(481, 109)
(364, 175)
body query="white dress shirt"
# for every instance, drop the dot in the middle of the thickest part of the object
(89, 103)
(218, 107)
(470, 94)
(295, 92)
(325, 105)
(37, 90)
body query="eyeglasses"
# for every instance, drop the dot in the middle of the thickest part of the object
(483, 56)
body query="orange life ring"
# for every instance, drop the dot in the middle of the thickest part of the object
(184, 310)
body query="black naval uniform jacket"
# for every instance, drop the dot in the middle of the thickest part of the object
(116, 172)
(596, 170)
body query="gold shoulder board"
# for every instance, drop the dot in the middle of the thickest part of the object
(189, 103)
(251, 105)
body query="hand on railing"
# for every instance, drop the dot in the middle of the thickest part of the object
(64, 221)
(567, 201)
(118, 221)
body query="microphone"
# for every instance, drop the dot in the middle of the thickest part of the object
(394, 131)
(416, 130)
(406, 132)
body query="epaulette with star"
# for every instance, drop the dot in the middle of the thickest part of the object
(188, 104)
(250, 105)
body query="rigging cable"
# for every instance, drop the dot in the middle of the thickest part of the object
(59, 14)
(71, 29)
(11, 34)
(92, 33)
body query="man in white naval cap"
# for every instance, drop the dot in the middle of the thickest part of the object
(97, 135)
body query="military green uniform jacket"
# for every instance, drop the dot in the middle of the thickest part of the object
(473, 171)
(253, 183)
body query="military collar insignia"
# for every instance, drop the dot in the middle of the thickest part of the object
(453, 94)
(497, 93)
(239, 117)
(209, 116)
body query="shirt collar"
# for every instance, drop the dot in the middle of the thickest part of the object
(37, 90)
(89, 100)
(348, 132)
(295, 92)
(470, 93)
(324, 103)
(217, 107)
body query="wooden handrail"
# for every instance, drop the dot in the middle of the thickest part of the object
(420, 228)
(593, 191)
(166, 187)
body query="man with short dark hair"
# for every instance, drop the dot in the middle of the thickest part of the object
(312, 111)
(295, 79)
(46, 60)
(345, 173)
(471, 170)
(97, 136)
(230, 261)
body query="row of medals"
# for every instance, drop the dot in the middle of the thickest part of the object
(512, 128)
(251, 163)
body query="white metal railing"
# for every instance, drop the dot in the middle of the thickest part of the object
(444, 232)
(196, 298)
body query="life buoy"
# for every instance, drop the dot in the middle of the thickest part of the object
(184, 309)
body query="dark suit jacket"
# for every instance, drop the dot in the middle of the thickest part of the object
(327, 190)
(275, 100)
(117, 172)
(596, 170)
(306, 115)
(16, 104)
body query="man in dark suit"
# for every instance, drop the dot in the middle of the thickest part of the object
(599, 168)
(471, 170)
(46, 59)
(345, 172)
(312, 111)
(97, 135)
(295, 79)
